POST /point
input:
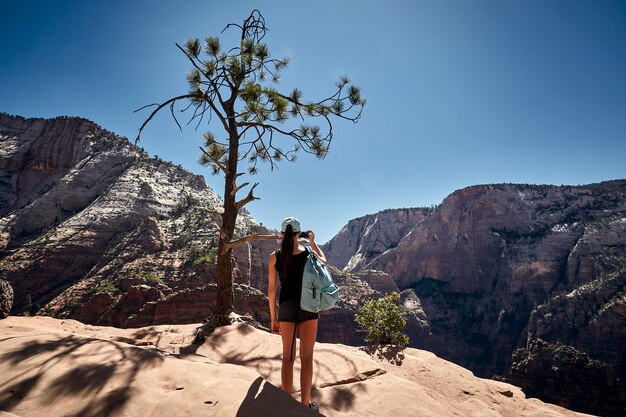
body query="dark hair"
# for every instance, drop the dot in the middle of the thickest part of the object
(286, 248)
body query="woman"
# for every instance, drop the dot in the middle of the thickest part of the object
(288, 264)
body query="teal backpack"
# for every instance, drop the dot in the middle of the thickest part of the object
(319, 291)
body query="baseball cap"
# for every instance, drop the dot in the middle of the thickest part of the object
(295, 224)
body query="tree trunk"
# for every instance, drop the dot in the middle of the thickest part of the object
(225, 293)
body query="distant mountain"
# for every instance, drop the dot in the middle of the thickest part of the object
(94, 229)
(494, 268)
(363, 239)
(523, 281)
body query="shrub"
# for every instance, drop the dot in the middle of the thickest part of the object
(209, 256)
(105, 287)
(150, 277)
(383, 321)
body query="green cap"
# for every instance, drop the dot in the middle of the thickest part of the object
(295, 224)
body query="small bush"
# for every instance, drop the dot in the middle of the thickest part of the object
(210, 256)
(383, 321)
(106, 287)
(150, 277)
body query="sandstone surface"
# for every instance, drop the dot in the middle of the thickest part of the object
(64, 368)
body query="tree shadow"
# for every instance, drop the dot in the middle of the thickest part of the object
(113, 401)
(263, 365)
(154, 336)
(29, 350)
(265, 400)
(344, 398)
(93, 374)
(82, 380)
(216, 339)
(12, 396)
(392, 354)
(343, 390)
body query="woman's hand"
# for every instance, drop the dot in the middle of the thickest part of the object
(275, 326)
(316, 248)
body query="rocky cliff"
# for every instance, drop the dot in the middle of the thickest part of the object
(365, 238)
(496, 267)
(92, 228)
(6, 299)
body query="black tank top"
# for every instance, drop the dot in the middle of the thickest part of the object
(291, 284)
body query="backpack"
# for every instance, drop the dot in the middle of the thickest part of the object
(319, 291)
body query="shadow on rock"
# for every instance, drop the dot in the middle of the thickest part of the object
(392, 354)
(265, 400)
(100, 361)
(343, 398)
(11, 396)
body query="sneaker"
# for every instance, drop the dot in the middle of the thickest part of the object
(314, 406)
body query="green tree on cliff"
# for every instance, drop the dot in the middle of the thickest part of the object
(383, 321)
(250, 121)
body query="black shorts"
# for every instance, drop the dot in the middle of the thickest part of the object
(291, 312)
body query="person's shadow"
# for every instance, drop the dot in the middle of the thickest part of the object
(265, 400)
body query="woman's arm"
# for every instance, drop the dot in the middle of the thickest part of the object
(271, 292)
(318, 251)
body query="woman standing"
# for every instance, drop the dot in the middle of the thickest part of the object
(288, 263)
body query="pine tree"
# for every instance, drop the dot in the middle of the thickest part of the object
(234, 89)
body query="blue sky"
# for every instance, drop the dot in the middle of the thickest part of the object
(459, 92)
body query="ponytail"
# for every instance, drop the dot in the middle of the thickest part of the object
(286, 248)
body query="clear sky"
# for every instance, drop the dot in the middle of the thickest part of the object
(459, 92)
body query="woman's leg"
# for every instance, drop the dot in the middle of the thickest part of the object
(287, 330)
(308, 334)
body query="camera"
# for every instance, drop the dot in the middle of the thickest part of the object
(304, 235)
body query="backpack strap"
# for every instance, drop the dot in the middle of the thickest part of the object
(311, 251)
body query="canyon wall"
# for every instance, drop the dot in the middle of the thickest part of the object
(94, 229)
(496, 268)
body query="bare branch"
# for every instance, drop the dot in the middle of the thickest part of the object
(250, 197)
(174, 116)
(249, 238)
(236, 188)
(159, 107)
(239, 187)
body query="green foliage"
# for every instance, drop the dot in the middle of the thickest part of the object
(70, 305)
(201, 256)
(106, 287)
(249, 75)
(186, 201)
(180, 241)
(383, 321)
(150, 277)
